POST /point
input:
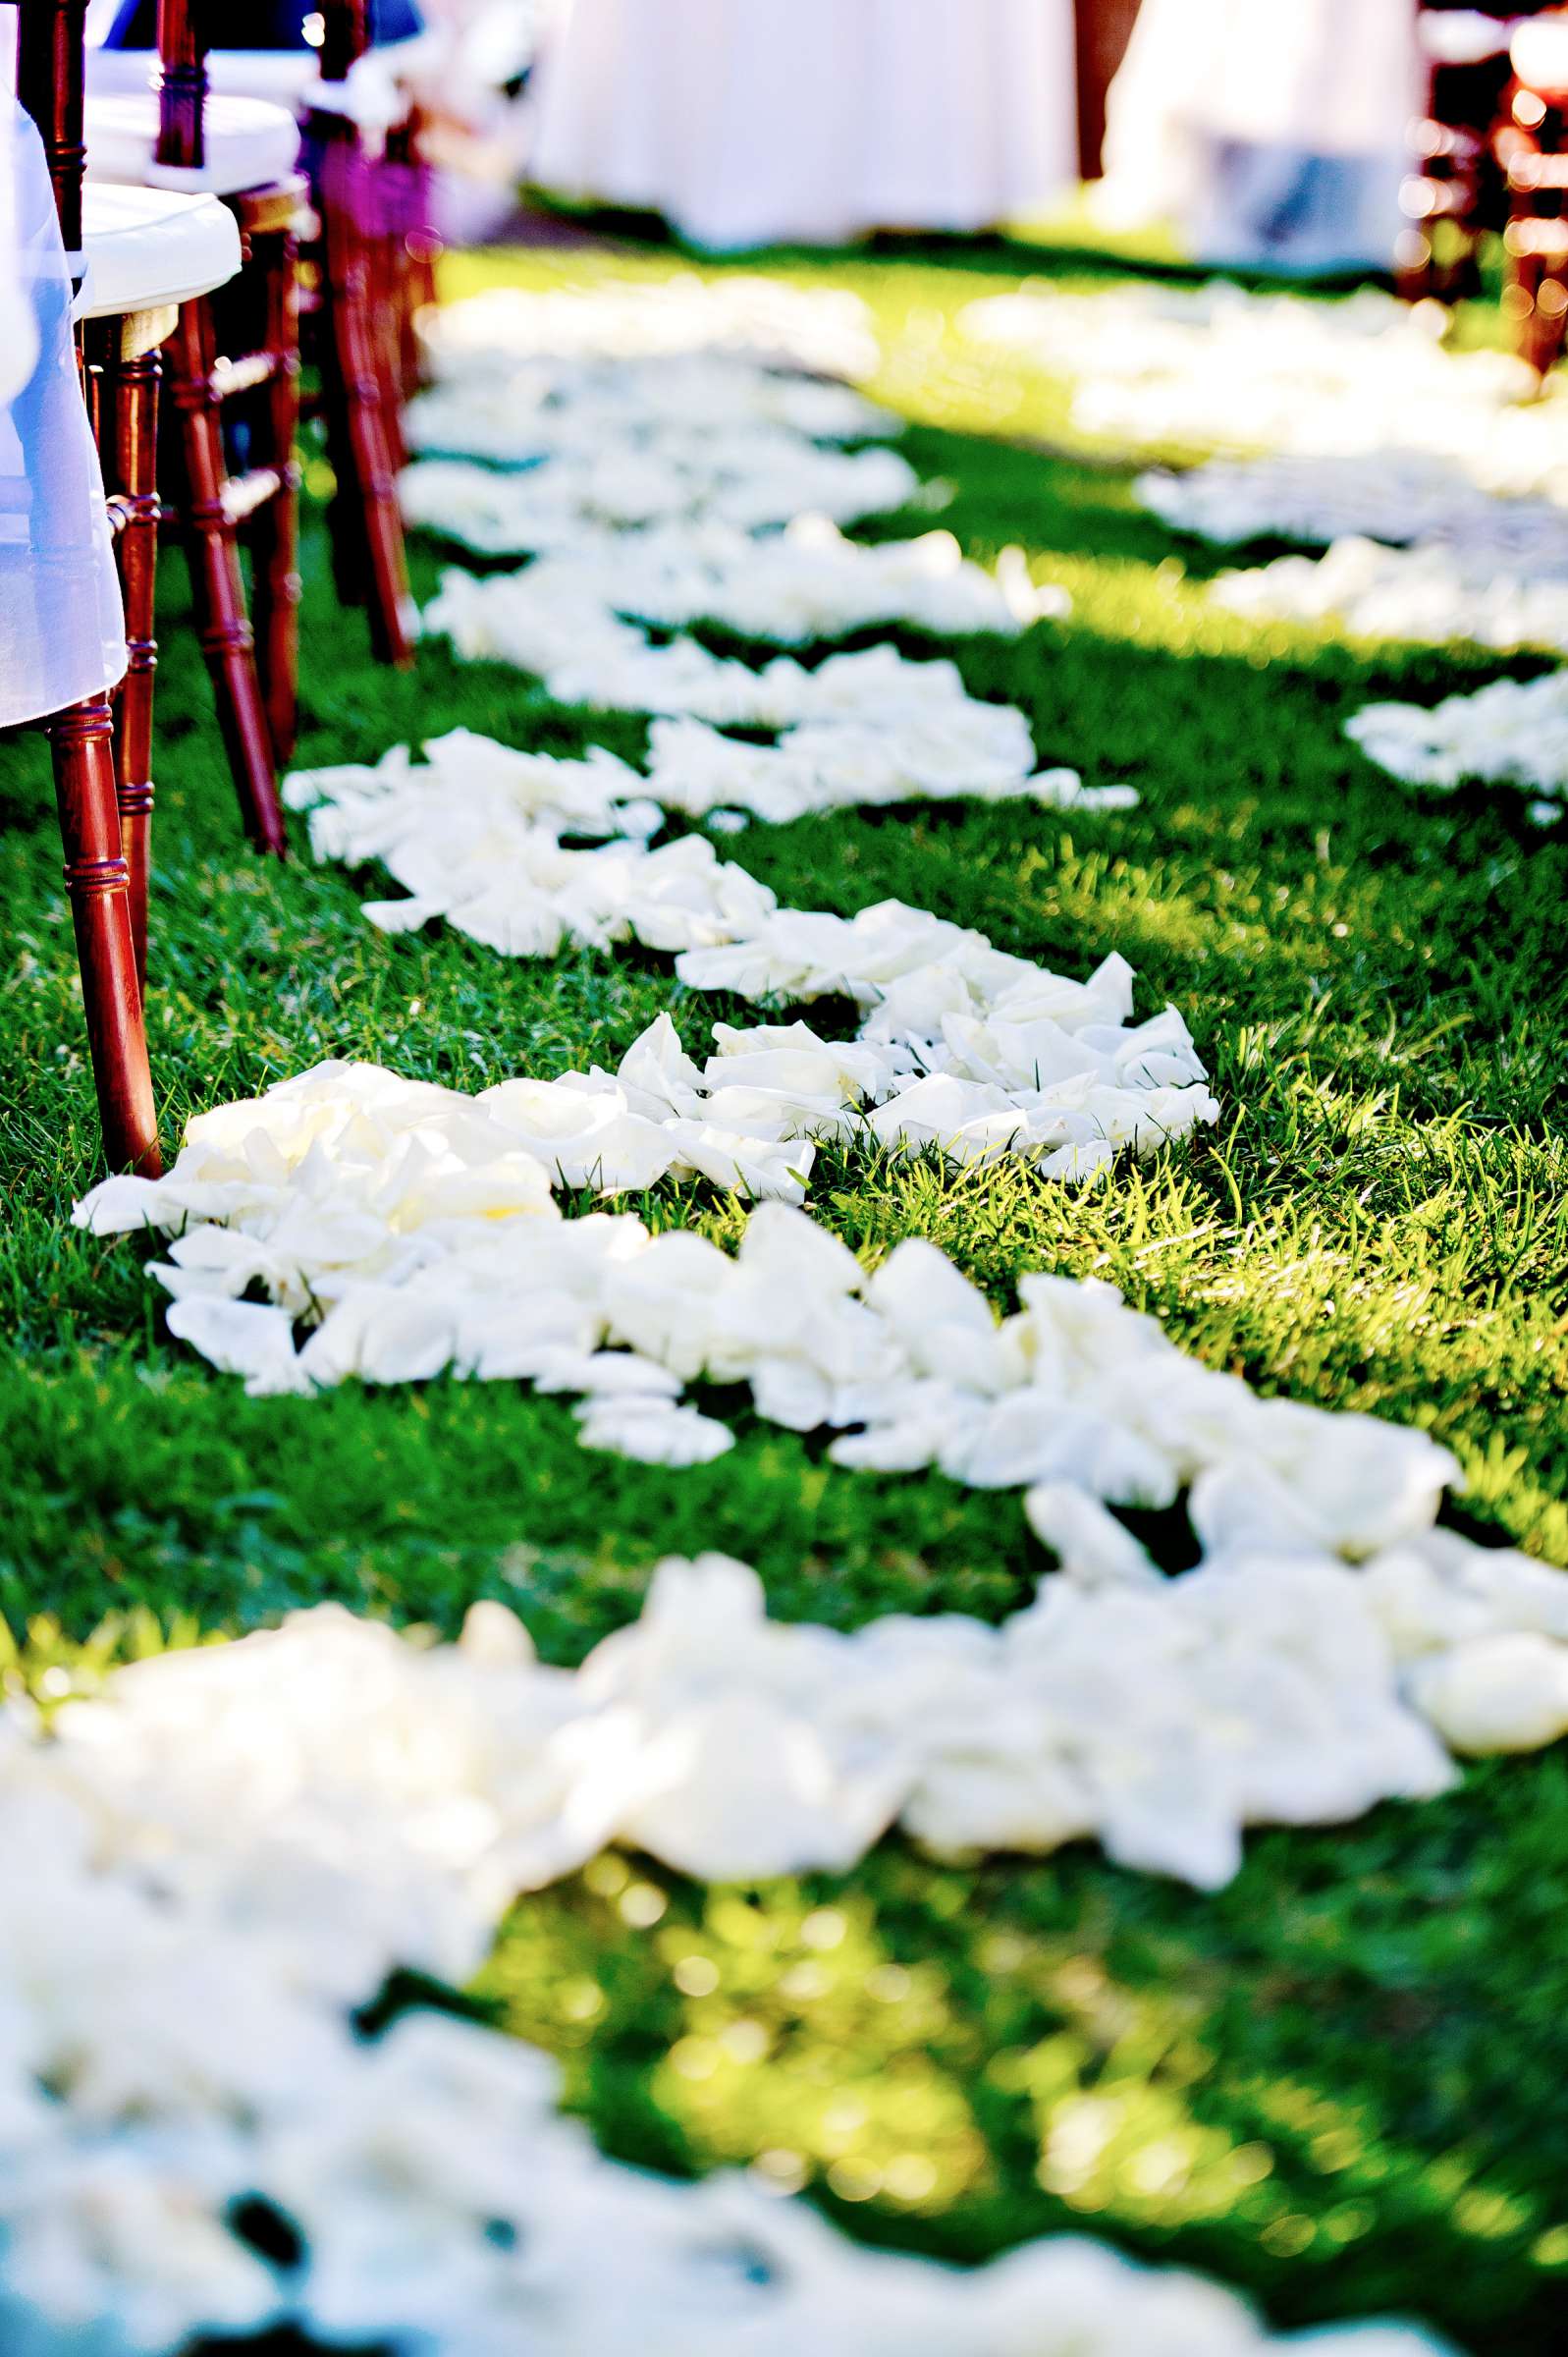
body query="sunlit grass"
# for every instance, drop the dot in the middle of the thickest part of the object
(1335, 2083)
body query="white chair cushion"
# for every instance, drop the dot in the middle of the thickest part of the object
(284, 76)
(1462, 37)
(147, 248)
(1540, 55)
(278, 75)
(249, 144)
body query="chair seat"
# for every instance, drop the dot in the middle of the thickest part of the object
(1538, 54)
(282, 76)
(149, 247)
(249, 144)
(1462, 37)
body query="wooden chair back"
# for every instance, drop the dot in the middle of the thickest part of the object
(51, 83)
(183, 46)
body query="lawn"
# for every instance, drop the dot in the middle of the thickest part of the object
(1336, 2084)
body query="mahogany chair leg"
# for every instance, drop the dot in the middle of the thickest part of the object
(383, 312)
(132, 386)
(274, 534)
(81, 741)
(368, 546)
(215, 580)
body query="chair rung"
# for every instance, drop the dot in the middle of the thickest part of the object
(230, 377)
(1445, 142)
(1437, 199)
(1547, 240)
(244, 494)
(1539, 172)
(124, 510)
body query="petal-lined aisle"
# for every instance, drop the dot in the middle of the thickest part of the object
(1332, 1647)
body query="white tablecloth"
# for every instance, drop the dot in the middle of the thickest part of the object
(1271, 130)
(747, 122)
(61, 629)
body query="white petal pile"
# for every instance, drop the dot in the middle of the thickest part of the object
(406, 1231)
(478, 818)
(1511, 734)
(651, 500)
(750, 482)
(859, 729)
(233, 1846)
(1376, 435)
(805, 583)
(826, 330)
(355, 1802)
(586, 654)
(413, 1229)
(961, 1045)
(1215, 365)
(1393, 495)
(638, 441)
(1431, 594)
(711, 436)
(517, 412)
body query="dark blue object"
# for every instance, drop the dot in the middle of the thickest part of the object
(266, 25)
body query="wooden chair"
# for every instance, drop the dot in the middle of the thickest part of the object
(142, 254)
(240, 349)
(359, 296)
(365, 269)
(1454, 195)
(1533, 146)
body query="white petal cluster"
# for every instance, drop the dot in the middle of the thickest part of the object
(749, 480)
(517, 412)
(1396, 496)
(411, 1229)
(1512, 734)
(218, 1850)
(1217, 365)
(1013, 1060)
(496, 843)
(1431, 593)
(709, 435)
(651, 500)
(961, 1045)
(824, 329)
(586, 654)
(346, 1801)
(805, 583)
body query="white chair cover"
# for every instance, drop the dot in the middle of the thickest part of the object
(61, 627)
(746, 122)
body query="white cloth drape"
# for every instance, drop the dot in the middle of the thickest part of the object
(1270, 131)
(746, 122)
(62, 627)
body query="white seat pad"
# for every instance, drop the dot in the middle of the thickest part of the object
(249, 144)
(1540, 55)
(147, 248)
(283, 77)
(1462, 37)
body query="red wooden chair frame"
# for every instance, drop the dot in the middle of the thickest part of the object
(1455, 195)
(1532, 147)
(359, 347)
(257, 316)
(101, 750)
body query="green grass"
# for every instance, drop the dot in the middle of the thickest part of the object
(1336, 2084)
